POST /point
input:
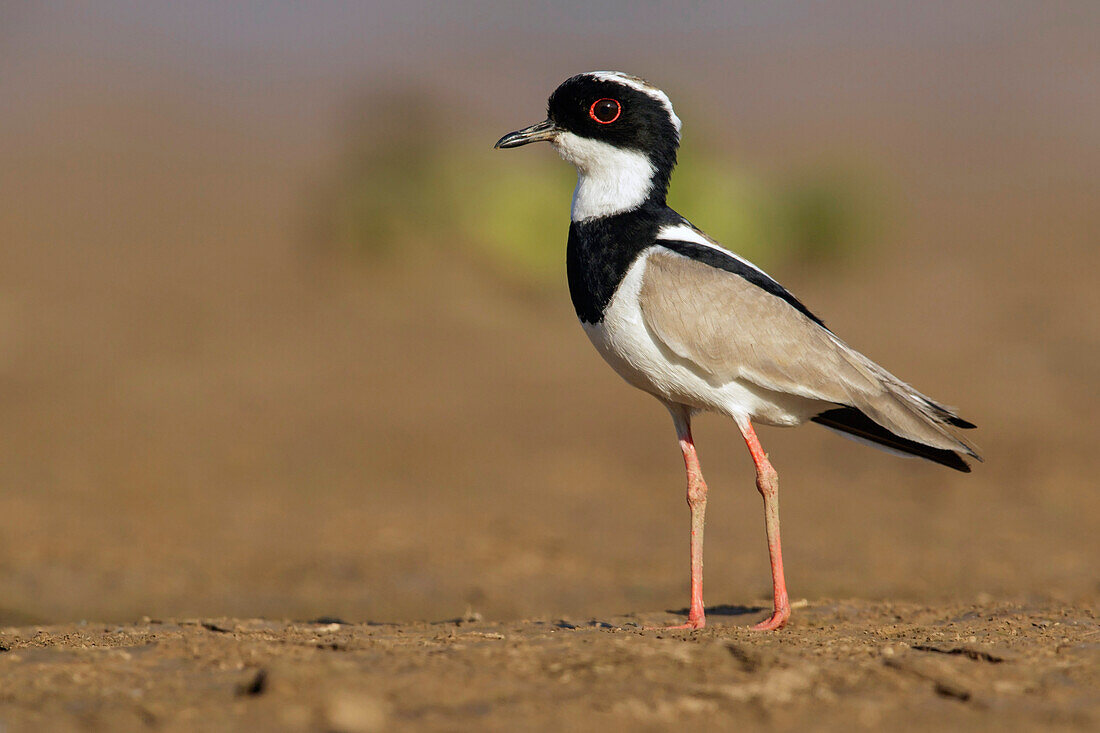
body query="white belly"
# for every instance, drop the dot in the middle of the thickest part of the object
(625, 342)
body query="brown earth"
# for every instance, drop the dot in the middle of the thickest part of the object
(840, 665)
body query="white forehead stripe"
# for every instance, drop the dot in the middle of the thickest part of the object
(642, 86)
(685, 233)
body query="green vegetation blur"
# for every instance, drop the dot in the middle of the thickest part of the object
(409, 184)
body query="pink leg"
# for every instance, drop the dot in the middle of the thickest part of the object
(697, 502)
(767, 482)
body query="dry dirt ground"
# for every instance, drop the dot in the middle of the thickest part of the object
(840, 665)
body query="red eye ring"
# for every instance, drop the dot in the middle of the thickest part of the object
(618, 110)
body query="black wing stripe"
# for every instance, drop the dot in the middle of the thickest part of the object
(852, 421)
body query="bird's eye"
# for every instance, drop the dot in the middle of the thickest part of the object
(605, 111)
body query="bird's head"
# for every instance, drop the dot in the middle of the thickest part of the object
(619, 131)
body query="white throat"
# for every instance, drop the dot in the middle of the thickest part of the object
(610, 180)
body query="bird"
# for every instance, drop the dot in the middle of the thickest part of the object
(699, 327)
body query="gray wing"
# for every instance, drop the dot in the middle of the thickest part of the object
(728, 328)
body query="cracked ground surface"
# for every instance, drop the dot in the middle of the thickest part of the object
(839, 665)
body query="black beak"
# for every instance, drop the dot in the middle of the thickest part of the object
(545, 130)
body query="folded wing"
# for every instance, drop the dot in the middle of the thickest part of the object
(729, 327)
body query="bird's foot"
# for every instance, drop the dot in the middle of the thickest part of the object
(694, 622)
(777, 620)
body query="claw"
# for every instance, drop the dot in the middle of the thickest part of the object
(776, 621)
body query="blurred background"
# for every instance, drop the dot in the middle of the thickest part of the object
(281, 334)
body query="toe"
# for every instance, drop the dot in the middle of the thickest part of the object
(777, 621)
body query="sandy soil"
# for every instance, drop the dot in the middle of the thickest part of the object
(841, 665)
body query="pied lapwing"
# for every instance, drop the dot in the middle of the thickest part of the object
(700, 328)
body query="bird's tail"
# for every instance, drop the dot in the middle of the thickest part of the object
(888, 413)
(854, 424)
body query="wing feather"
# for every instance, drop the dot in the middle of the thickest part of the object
(729, 328)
